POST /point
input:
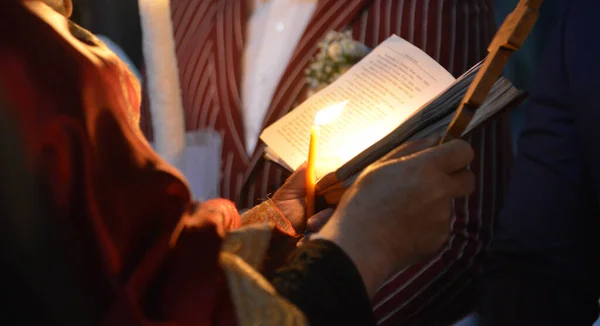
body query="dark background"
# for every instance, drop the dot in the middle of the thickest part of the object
(117, 19)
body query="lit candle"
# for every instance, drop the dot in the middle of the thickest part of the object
(324, 116)
(311, 170)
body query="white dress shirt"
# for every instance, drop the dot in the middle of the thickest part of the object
(272, 34)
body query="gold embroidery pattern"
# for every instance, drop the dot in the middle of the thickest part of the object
(256, 301)
(249, 243)
(268, 212)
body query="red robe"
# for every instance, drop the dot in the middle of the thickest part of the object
(110, 203)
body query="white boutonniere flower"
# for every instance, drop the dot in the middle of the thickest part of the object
(338, 52)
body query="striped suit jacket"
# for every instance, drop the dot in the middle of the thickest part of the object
(209, 38)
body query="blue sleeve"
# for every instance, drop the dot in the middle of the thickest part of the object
(545, 266)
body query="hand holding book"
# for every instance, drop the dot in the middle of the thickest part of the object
(395, 94)
(392, 217)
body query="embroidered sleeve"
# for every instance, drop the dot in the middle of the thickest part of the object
(267, 212)
(321, 279)
(255, 300)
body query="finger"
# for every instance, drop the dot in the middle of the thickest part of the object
(446, 225)
(299, 175)
(411, 148)
(317, 221)
(464, 183)
(301, 242)
(450, 157)
(441, 226)
(294, 187)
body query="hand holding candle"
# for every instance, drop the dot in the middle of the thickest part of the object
(322, 117)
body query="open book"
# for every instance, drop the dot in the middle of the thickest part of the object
(395, 94)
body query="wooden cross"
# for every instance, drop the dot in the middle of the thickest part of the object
(508, 39)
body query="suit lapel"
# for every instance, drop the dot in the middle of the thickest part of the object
(329, 15)
(229, 46)
(209, 38)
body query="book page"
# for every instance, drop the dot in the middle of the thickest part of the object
(383, 90)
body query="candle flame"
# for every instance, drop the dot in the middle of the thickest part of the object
(330, 113)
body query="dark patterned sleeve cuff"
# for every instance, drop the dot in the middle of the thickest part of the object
(321, 280)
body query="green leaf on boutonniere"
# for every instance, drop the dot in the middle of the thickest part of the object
(338, 52)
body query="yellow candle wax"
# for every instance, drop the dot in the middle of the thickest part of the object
(311, 173)
(321, 118)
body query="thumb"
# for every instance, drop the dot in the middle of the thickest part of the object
(317, 221)
(449, 157)
(409, 148)
(300, 173)
(297, 181)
